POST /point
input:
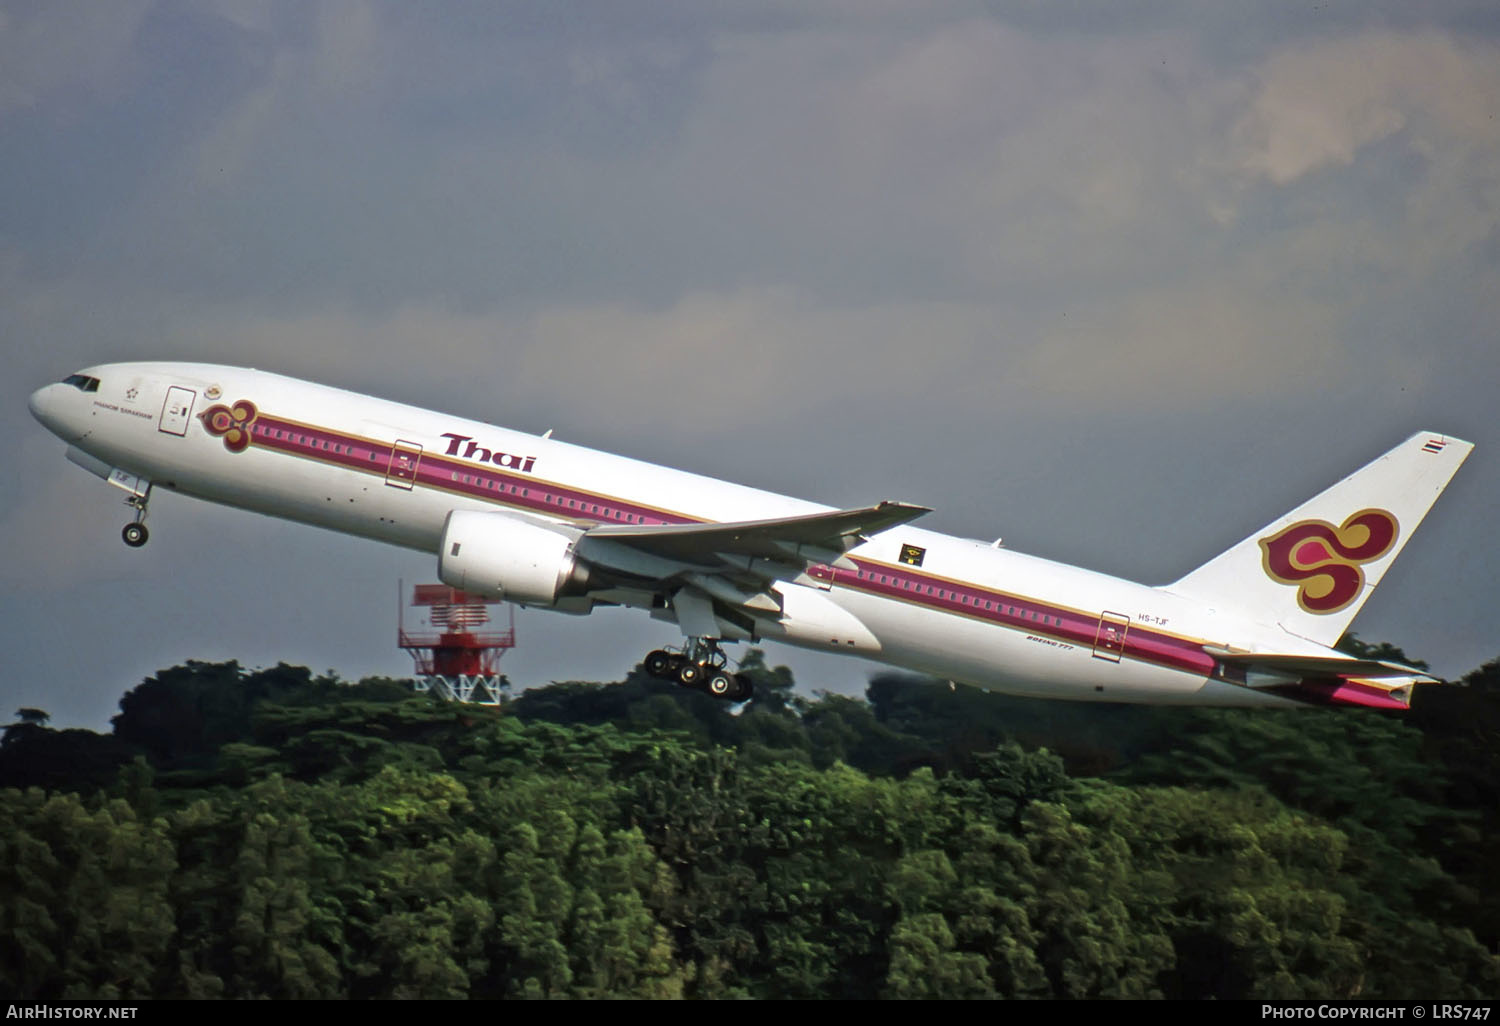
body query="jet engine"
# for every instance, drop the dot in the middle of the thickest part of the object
(501, 556)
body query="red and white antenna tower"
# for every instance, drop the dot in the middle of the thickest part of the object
(453, 656)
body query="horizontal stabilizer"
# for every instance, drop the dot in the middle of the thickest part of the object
(1320, 666)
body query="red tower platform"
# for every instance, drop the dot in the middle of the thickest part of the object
(452, 655)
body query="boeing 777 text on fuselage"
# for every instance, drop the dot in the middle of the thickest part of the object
(543, 523)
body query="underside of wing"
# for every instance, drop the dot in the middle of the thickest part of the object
(729, 579)
(797, 541)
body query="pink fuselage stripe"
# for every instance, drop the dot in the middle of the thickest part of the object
(509, 489)
(1061, 623)
(521, 491)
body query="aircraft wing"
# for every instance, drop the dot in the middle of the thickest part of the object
(1320, 666)
(724, 579)
(797, 541)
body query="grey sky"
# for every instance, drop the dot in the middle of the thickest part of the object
(1118, 288)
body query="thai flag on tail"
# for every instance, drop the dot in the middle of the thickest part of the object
(1434, 445)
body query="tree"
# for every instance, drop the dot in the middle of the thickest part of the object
(1383, 650)
(83, 898)
(32, 755)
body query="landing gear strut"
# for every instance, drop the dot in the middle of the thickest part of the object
(701, 665)
(135, 533)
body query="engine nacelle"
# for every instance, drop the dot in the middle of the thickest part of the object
(501, 556)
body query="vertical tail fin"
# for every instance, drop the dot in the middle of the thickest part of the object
(1311, 570)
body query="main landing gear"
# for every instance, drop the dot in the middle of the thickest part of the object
(135, 533)
(702, 665)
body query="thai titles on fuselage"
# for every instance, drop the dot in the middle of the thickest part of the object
(474, 451)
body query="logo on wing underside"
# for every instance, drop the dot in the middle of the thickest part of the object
(1324, 562)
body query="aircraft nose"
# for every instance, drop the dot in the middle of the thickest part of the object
(40, 404)
(49, 406)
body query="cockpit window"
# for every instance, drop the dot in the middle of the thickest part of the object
(82, 382)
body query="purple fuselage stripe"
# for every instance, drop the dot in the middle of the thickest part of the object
(518, 491)
(1019, 612)
(521, 491)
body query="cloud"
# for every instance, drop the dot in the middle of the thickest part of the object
(1188, 348)
(54, 49)
(753, 355)
(1319, 103)
(942, 210)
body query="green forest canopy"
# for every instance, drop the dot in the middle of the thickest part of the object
(272, 833)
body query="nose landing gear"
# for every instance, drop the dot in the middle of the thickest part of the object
(703, 666)
(135, 533)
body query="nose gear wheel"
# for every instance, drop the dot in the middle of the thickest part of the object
(135, 533)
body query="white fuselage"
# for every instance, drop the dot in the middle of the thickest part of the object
(971, 612)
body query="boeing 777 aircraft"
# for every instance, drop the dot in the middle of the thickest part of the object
(543, 523)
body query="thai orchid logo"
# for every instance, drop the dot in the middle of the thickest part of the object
(232, 423)
(1324, 561)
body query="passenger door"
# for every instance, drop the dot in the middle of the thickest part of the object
(177, 410)
(402, 471)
